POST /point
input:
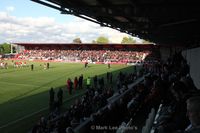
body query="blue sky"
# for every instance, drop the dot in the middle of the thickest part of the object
(27, 8)
(27, 21)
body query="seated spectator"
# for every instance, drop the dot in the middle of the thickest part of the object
(156, 94)
(177, 118)
(193, 113)
(69, 130)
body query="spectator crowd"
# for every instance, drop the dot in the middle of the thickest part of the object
(168, 83)
(72, 55)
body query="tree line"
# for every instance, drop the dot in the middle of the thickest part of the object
(105, 40)
(5, 48)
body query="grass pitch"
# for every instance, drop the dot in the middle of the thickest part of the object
(24, 94)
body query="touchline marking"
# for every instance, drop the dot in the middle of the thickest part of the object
(27, 116)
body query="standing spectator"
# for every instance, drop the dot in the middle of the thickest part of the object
(135, 69)
(69, 86)
(68, 83)
(95, 81)
(108, 76)
(86, 64)
(32, 67)
(51, 99)
(37, 128)
(45, 66)
(88, 82)
(48, 65)
(75, 83)
(60, 96)
(108, 65)
(80, 82)
(111, 77)
(101, 83)
(118, 84)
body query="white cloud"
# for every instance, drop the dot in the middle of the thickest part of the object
(10, 8)
(113, 35)
(46, 29)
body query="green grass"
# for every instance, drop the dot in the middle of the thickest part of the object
(23, 92)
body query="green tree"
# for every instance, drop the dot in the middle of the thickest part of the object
(128, 40)
(14, 49)
(1, 49)
(77, 40)
(145, 42)
(93, 41)
(102, 39)
(5, 48)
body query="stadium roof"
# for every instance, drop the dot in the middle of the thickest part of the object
(111, 45)
(161, 21)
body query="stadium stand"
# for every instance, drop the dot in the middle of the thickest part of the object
(82, 112)
(107, 53)
(166, 22)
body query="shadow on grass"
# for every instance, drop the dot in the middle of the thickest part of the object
(20, 113)
(37, 88)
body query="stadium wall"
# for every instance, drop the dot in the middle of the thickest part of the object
(165, 53)
(168, 51)
(193, 60)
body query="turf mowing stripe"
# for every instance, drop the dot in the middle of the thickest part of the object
(42, 86)
(27, 116)
(20, 84)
